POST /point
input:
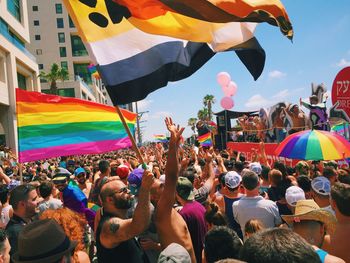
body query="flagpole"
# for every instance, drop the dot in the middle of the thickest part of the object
(134, 146)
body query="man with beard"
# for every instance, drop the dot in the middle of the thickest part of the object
(71, 195)
(24, 201)
(115, 235)
(80, 177)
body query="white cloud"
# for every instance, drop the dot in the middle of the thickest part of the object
(143, 105)
(276, 74)
(282, 95)
(343, 63)
(161, 115)
(256, 102)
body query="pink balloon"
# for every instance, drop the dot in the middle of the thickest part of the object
(227, 103)
(233, 88)
(230, 89)
(223, 78)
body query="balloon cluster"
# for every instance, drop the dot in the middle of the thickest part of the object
(229, 88)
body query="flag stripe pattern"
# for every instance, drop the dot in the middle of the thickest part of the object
(51, 126)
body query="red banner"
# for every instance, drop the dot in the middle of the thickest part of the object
(247, 149)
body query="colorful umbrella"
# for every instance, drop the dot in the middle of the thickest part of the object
(314, 145)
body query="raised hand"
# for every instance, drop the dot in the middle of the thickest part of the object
(147, 180)
(175, 130)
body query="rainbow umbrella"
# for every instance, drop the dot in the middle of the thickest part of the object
(314, 145)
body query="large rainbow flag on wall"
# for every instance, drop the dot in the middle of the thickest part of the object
(51, 126)
(205, 139)
(133, 63)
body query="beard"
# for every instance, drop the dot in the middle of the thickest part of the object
(81, 181)
(121, 203)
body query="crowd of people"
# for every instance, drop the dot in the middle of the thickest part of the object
(181, 203)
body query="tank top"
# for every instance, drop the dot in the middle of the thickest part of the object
(322, 254)
(127, 251)
(229, 214)
(5, 216)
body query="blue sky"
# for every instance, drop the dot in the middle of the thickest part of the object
(321, 47)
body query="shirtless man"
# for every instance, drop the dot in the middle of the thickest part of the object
(338, 243)
(171, 227)
(297, 116)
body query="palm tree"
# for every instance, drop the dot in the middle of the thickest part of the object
(192, 123)
(202, 114)
(56, 73)
(208, 100)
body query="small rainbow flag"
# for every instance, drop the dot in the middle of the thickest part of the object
(340, 128)
(51, 126)
(93, 71)
(205, 139)
(160, 138)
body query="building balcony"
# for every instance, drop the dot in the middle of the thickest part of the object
(79, 53)
(78, 78)
(5, 32)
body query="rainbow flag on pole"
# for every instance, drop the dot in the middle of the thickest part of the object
(51, 126)
(205, 139)
(160, 138)
(93, 71)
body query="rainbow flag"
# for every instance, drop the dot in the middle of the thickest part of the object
(340, 129)
(133, 63)
(51, 126)
(93, 71)
(205, 139)
(160, 138)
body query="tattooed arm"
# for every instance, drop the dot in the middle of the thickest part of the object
(116, 230)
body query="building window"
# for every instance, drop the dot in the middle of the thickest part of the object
(58, 8)
(14, 7)
(78, 48)
(37, 37)
(21, 81)
(63, 52)
(2, 69)
(41, 66)
(35, 8)
(66, 92)
(36, 22)
(61, 38)
(39, 52)
(64, 64)
(71, 24)
(60, 23)
(82, 71)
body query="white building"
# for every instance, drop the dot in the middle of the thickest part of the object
(18, 67)
(54, 39)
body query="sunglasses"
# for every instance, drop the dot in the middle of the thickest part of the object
(122, 190)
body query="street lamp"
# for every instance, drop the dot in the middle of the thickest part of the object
(139, 116)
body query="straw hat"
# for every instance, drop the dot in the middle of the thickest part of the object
(309, 210)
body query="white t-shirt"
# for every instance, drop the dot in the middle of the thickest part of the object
(53, 203)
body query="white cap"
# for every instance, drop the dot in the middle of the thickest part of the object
(294, 194)
(321, 185)
(174, 253)
(162, 178)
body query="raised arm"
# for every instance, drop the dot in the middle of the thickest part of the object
(167, 198)
(117, 230)
(4, 177)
